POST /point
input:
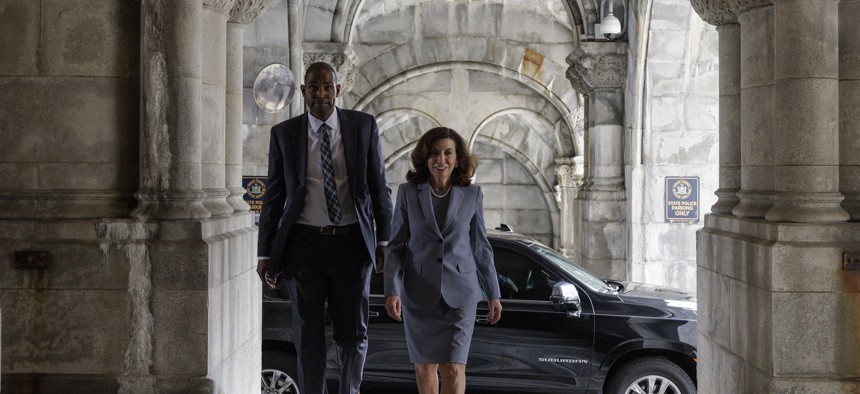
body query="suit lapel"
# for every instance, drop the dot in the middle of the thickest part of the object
(300, 151)
(424, 199)
(349, 142)
(453, 205)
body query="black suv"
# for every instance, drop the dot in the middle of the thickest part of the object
(562, 331)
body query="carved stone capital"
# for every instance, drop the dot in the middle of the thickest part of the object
(723, 12)
(569, 171)
(222, 6)
(597, 65)
(246, 11)
(716, 12)
(745, 5)
(338, 55)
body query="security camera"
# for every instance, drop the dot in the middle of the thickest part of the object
(610, 27)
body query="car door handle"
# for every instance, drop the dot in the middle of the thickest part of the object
(374, 314)
(481, 319)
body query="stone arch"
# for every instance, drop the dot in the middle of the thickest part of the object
(564, 135)
(366, 90)
(393, 148)
(536, 173)
(347, 12)
(528, 144)
(546, 190)
(518, 111)
(582, 14)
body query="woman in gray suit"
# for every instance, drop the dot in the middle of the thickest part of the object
(438, 260)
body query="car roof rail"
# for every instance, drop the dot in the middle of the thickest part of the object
(505, 228)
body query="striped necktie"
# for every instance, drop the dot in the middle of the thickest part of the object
(327, 163)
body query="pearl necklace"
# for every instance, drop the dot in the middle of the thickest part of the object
(433, 192)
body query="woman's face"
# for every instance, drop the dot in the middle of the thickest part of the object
(442, 159)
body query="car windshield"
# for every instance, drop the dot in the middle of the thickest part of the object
(593, 282)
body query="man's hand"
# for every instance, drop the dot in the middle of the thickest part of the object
(262, 272)
(495, 312)
(392, 306)
(380, 258)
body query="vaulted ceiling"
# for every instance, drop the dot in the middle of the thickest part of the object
(490, 69)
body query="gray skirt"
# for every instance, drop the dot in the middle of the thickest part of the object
(439, 335)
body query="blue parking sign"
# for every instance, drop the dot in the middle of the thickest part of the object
(682, 199)
(255, 190)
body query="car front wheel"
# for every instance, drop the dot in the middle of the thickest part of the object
(279, 373)
(650, 375)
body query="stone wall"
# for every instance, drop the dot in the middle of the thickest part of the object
(671, 114)
(266, 41)
(69, 102)
(778, 302)
(146, 290)
(777, 313)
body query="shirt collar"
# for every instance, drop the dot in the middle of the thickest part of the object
(316, 123)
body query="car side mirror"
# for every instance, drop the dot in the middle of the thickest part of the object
(565, 296)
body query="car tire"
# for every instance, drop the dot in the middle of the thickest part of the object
(650, 375)
(279, 373)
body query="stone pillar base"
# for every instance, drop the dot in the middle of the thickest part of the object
(727, 199)
(777, 311)
(807, 208)
(65, 204)
(752, 204)
(603, 233)
(216, 202)
(171, 205)
(132, 307)
(236, 199)
(97, 384)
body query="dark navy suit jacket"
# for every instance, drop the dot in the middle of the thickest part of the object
(286, 188)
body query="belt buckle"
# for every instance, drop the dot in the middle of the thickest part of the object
(328, 230)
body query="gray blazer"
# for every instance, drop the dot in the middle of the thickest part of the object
(285, 194)
(424, 263)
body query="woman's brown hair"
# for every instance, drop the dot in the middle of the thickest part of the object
(466, 161)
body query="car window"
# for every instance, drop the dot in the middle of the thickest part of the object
(521, 278)
(562, 262)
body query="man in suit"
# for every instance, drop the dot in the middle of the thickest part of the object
(324, 223)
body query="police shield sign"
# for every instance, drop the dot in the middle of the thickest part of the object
(682, 199)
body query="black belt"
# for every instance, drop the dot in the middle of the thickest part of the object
(331, 230)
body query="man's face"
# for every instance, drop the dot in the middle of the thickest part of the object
(320, 90)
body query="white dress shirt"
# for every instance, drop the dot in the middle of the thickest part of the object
(315, 212)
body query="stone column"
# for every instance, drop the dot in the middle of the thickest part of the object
(777, 309)
(171, 111)
(243, 13)
(598, 70)
(296, 15)
(849, 107)
(730, 106)
(215, 15)
(200, 303)
(569, 173)
(806, 118)
(757, 113)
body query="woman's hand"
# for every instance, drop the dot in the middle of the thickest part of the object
(392, 306)
(493, 315)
